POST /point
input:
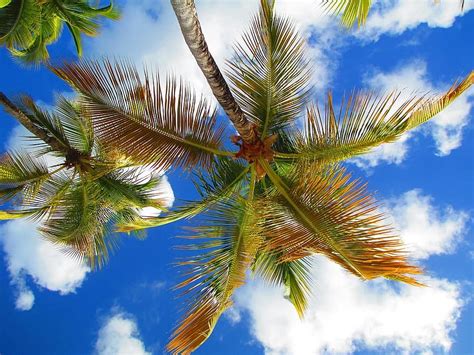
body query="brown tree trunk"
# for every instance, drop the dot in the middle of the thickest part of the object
(191, 28)
(39, 132)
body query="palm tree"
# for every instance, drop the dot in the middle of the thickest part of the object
(80, 189)
(354, 10)
(27, 27)
(283, 196)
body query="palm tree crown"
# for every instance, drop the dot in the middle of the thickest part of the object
(282, 197)
(80, 189)
(27, 27)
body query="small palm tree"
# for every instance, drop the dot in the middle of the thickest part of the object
(284, 195)
(81, 189)
(354, 10)
(27, 27)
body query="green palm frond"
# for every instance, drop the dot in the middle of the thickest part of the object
(269, 71)
(356, 10)
(80, 222)
(167, 123)
(47, 121)
(223, 250)
(37, 51)
(364, 122)
(225, 177)
(293, 275)
(323, 211)
(124, 189)
(20, 23)
(81, 213)
(352, 10)
(27, 27)
(21, 175)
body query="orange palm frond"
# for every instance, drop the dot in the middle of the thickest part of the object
(323, 211)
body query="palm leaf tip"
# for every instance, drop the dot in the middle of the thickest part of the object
(154, 123)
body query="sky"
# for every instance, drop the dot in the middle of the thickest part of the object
(51, 304)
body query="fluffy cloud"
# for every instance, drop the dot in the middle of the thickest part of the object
(425, 229)
(119, 336)
(446, 128)
(347, 314)
(395, 17)
(26, 253)
(25, 297)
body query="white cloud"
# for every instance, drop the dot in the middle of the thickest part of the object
(119, 336)
(26, 253)
(424, 228)
(347, 314)
(396, 16)
(25, 299)
(446, 128)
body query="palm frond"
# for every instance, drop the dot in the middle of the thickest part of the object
(269, 72)
(225, 177)
(365, 121)
(19, 23)
(352, 10)
(323, 211)
(355, 10)
(223, 250)
(293, 275)
(21, 174)
(164, 125)
(127, 189)
(81, 223)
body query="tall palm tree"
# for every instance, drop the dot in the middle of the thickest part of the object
(283, 196)
(27, 27)
(355, 10)
(80, 189)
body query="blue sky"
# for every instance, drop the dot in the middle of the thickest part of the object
(49, 304)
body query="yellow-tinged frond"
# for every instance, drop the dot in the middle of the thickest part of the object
(223, 251)
(323, 211)
(154, 123)
(363, 122)
(352, 10)
(6, 215)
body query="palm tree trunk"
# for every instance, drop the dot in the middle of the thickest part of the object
(191, 28)
(30, 126)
